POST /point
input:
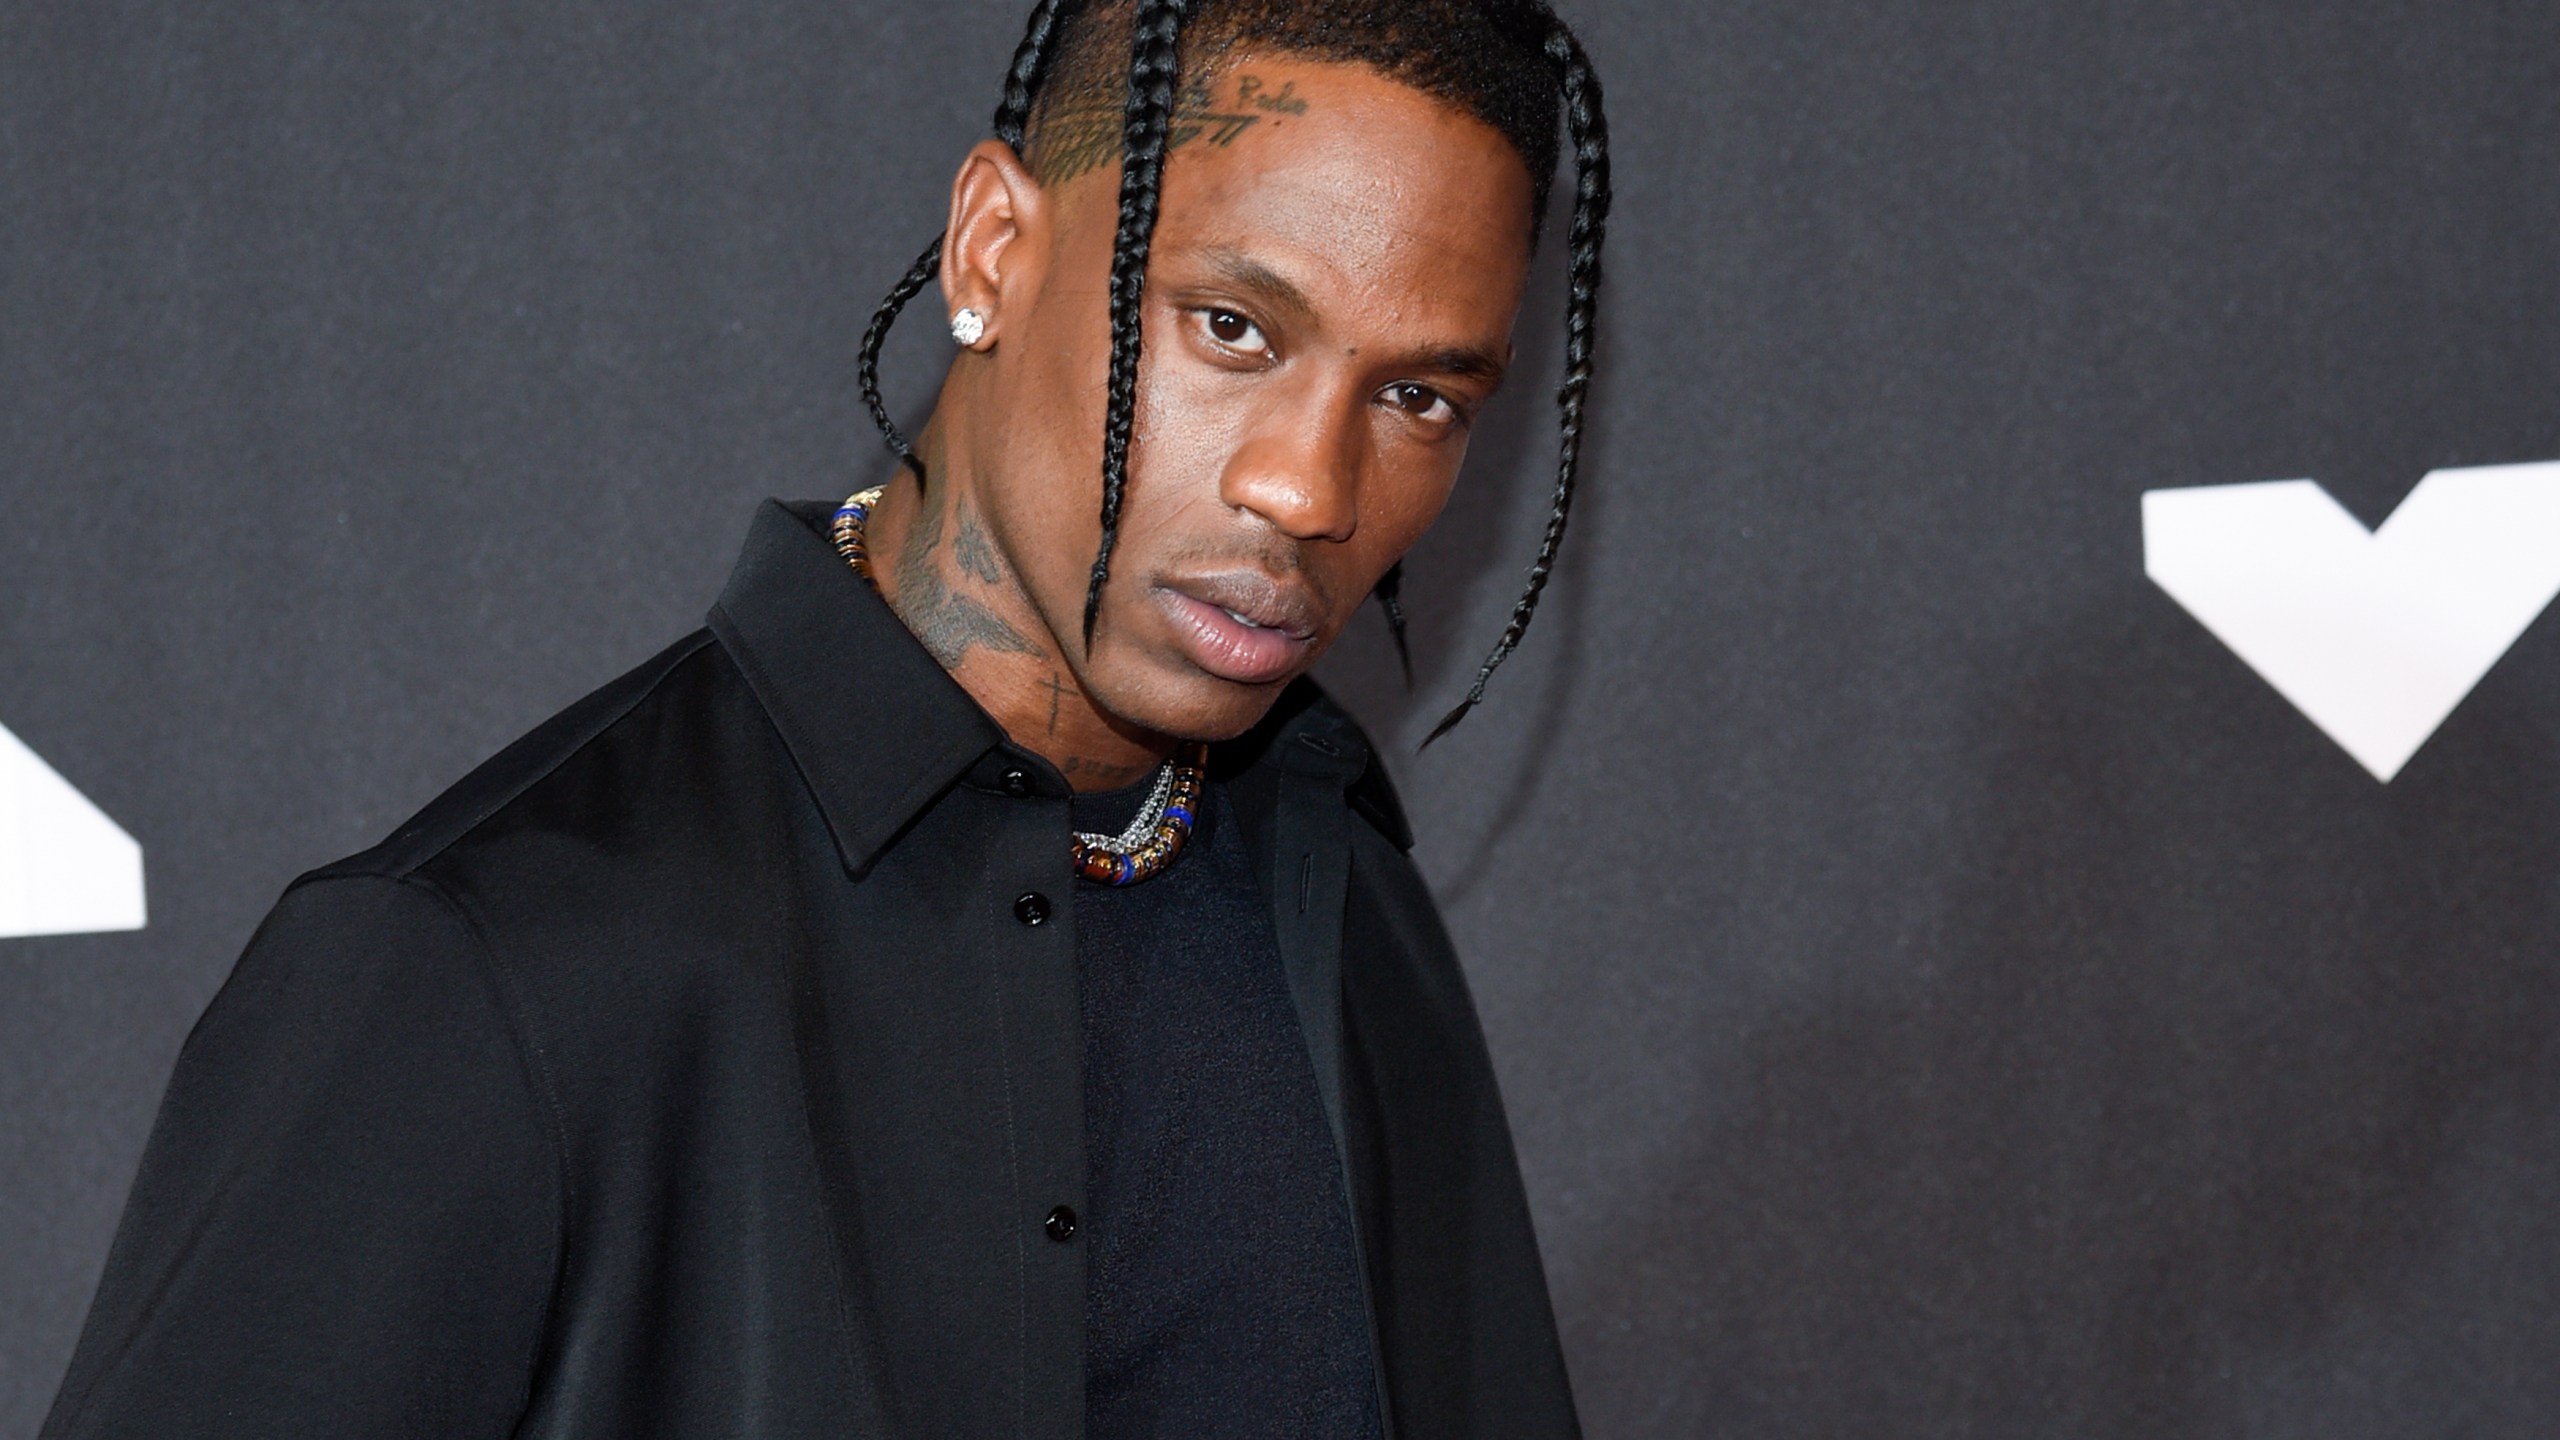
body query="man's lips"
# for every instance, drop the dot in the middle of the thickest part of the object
(1241, 626)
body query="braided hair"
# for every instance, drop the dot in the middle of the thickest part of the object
(1589, 128)
(1511, 63)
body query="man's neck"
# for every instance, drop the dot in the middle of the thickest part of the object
(942, 574)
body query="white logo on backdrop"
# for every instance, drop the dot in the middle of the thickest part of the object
(65, 868)
(2376, 635)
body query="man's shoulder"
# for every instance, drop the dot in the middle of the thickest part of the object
(588, 766)
(599, 872)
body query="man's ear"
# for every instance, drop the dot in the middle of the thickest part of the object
(995, 202)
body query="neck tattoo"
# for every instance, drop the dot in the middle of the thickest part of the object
(1163, 824)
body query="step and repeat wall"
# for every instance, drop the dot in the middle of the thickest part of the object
(2014, 889)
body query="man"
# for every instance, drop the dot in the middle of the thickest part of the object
(975, 986)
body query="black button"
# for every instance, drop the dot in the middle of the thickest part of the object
(1032, 909)
(1062, 1225)
(1017, 783)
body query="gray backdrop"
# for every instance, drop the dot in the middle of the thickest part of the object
(1939, 988)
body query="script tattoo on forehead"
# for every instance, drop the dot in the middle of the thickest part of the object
(950, 623)
(1085, 134)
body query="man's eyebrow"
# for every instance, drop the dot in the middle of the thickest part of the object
(1466, 362)
(1266, 284)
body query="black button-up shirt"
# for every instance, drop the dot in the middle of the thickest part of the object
(698, 1067)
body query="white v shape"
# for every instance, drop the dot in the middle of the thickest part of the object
(65, 868)
(2376, 635)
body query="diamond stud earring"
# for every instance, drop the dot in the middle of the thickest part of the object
(968, 327)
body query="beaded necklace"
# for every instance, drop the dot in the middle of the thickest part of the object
(1163, 823)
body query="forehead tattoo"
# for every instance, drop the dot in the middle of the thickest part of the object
(1084, 135)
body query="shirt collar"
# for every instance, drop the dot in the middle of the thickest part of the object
(878, 729)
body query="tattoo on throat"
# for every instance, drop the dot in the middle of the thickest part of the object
(950, 623)
(1057, 691)
(1087, 134)
(974, 552)
(1100, 769)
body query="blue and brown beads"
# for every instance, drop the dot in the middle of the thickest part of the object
(1159, 832)
(850, 517)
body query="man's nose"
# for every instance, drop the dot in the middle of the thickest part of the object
(1301, 474)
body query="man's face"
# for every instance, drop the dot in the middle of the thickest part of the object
(1328, 306)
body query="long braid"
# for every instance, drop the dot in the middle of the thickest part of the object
(1154, 75)
(866, 368)
(1587, 124)
(1013, 115)
(1390, 593)
(1030, 58)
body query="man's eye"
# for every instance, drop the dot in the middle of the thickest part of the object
(1234, 331)
(1422, 402)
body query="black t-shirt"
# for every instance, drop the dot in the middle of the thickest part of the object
(1223, 1295)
